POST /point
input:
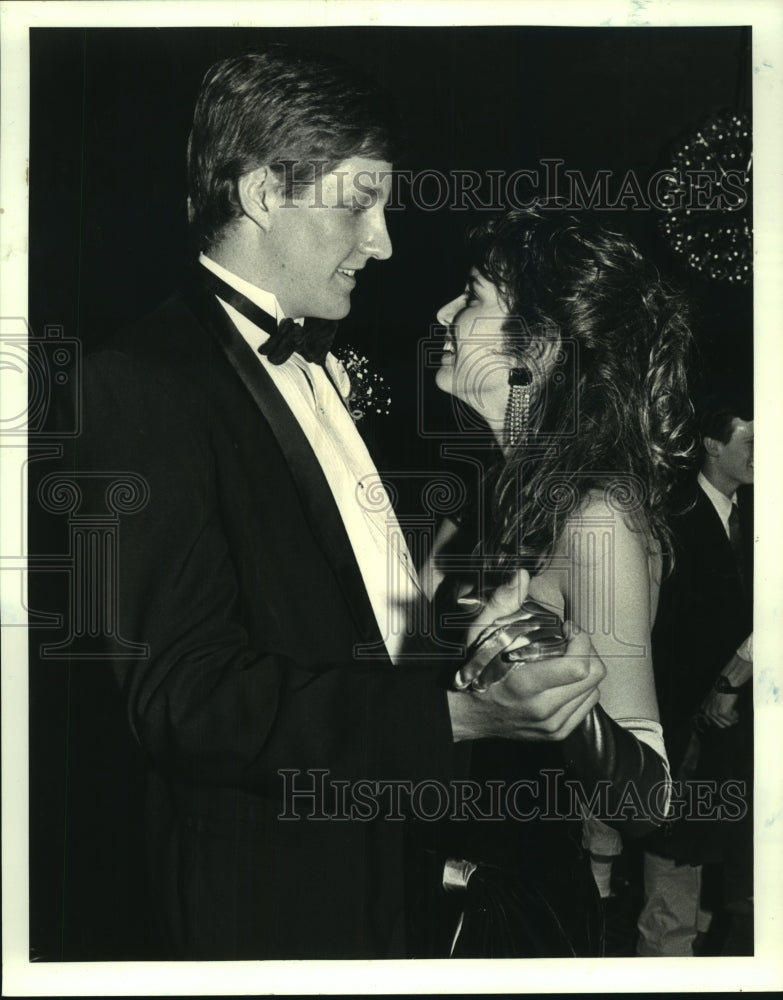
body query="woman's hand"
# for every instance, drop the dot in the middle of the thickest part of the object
(483, 633)
(519, 629)
(505, 602)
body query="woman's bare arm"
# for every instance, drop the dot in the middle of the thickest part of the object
(604, 576)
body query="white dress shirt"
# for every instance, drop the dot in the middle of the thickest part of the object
(719, 501)
(370, 522)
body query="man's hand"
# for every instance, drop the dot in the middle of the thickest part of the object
(534, 701)
(720, 709)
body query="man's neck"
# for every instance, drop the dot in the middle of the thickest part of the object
(243, 259)
(260, 296)
(233, 259)
(724, 484)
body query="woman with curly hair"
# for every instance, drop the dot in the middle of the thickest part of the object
(570, 348)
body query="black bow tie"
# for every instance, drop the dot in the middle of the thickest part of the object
(312, 340)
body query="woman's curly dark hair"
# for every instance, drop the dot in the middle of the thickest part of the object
(614, 412)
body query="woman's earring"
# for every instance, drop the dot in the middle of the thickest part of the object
(515, 425)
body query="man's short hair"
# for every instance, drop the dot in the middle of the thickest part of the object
(298, 112)
(717, 416)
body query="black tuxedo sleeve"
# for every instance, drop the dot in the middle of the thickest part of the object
(206, 704)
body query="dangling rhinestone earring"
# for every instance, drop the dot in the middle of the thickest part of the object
(515, 425)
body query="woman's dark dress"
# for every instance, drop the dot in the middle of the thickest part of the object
(533, 895)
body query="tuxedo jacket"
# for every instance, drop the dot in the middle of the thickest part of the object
(236, 574)
(704, 613)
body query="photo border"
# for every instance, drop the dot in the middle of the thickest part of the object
(765, 969)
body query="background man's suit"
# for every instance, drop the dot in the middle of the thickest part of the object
(239, 575)
(704, 615)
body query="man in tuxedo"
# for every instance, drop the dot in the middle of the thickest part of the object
(269, 592)
(701, 662)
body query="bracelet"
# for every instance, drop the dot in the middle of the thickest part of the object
(723, 686)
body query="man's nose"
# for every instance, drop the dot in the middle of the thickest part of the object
(446, 314)
(377, 243)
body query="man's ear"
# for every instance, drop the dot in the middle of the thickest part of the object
(259, 193)
(712, 446)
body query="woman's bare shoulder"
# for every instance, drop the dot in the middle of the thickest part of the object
(615, 510)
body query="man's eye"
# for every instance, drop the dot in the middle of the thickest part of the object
(360, 204)
(353, 205)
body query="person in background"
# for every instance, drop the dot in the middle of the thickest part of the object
(702, 657)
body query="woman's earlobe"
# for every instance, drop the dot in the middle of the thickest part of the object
(520, 376)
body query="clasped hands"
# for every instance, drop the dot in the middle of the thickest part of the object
(719, 708)
(511, 686)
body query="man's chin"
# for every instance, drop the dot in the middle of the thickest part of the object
(333, 310)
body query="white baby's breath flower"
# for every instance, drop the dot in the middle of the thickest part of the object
(369, 392)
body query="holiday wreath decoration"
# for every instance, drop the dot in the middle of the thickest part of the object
(708, 214)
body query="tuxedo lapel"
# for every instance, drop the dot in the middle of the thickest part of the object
(713, 528)
(314, 492)
(716, 548)
(725, 558)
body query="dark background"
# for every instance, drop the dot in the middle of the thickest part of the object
(110, 112)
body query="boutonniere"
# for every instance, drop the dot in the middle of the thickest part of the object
(367, 390)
